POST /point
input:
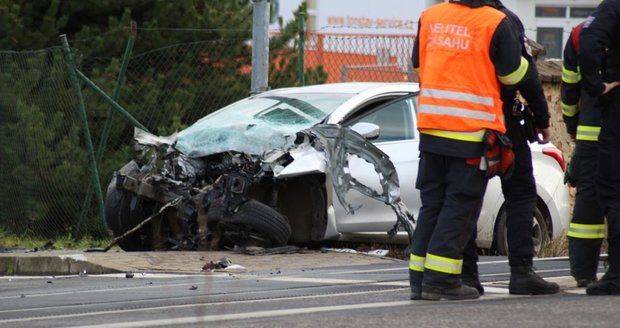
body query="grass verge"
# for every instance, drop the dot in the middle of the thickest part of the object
(25, 242)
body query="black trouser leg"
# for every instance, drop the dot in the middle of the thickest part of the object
(464, 189)
(587, 226)
(430, 182)
(609, 179)
(520, 201)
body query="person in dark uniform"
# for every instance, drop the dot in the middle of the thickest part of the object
(520, 188)
(599, 61)
(583, 124)
(464, 52)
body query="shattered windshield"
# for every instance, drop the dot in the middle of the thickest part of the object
(257, 125)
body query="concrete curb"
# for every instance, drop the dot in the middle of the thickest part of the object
(48, 265)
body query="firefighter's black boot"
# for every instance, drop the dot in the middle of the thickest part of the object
(608, 285)
(524, 281)
(473, 281)
(416, 293)
(463, 292)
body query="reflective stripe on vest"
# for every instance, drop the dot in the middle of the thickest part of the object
(460, 90)
(460, 96)
(570, 77)
(588, 133)
(457, 112)
(443, 264)
(416, 263)
(569, 110)
(463, 136)
(516, 76)
(586, 231)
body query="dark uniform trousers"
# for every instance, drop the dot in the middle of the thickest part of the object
(520, 201)
(451, 192)
(609, 176)
(586, 233)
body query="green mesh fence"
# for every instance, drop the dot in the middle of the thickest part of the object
(43, 164)
(44, 167)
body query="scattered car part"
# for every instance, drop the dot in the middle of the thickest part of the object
(338, 142)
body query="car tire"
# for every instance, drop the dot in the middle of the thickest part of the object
(540, 232)
(255, 224)
(123, 211)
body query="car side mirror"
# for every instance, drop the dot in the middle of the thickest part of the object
(369, 131)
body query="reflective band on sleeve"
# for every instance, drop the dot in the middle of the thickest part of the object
(459, 96)
(416, 69)
(463, 136)
(516, 76)
(586, 231)
(443, 264)
(570, 77)
(416, 263)
(588, 133)
(569, 110)
(457, 112)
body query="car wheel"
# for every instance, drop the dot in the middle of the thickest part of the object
(255, 224)
(540, 232)
(123, 211)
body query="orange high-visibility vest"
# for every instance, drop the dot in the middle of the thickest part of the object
(459, 89)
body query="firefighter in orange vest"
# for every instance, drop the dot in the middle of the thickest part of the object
(464, 52)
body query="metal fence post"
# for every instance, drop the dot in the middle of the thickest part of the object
(260, 46)
(108, 124)
(302, 47)
(75, 83)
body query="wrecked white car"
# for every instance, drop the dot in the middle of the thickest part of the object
(261, 171)
(282, 164)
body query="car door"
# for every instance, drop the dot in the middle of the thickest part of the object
(398, 138)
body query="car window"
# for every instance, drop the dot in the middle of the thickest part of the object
(394, 119)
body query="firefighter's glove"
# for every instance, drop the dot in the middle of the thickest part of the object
(498, 155)
(568, 177)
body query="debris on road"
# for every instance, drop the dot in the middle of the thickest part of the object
(223, 263)
(255, 250)
(234, 268)
(372, 252)
(129, 275)
(194, 287)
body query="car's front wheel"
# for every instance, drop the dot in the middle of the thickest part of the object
(255, 224)
(540, 232)
(123, 211)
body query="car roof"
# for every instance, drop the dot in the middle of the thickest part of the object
(348, 88)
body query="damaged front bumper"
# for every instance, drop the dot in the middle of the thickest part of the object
(214, 188)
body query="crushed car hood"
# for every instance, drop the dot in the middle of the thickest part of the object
(252, 137)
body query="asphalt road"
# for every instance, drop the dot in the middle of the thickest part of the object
(356, 296)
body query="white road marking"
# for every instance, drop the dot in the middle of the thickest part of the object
(404, 268)
(248, 315)
(185, 306)
(116, 289)
(508, 273)
(578, 291)
(403, 283)
(316, 280)
(495, 290)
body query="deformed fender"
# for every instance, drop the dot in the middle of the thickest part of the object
(306, 160)
(337, 143)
